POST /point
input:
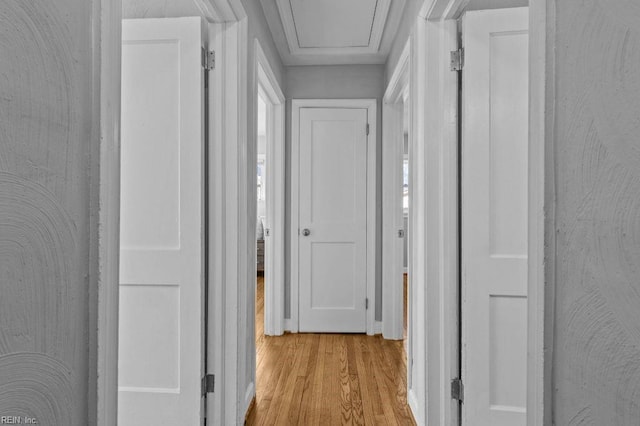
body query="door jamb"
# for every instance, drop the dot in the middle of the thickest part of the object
(231, 225)
(442, 14)
(265, 80)
(392, 116)
(371, 106)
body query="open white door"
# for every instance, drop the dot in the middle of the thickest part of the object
(393, 238)
(494, 217)
(161, 232)
(333, 220)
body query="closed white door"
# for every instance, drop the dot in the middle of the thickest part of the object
(161, 229)
(494, 209)
(333, 220)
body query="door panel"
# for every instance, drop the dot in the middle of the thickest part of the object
(494, 216)
(333, 207)
(161, 232)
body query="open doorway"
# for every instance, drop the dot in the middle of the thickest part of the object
(270, 186)
(262, 232)
(406, 173)
(397, 205)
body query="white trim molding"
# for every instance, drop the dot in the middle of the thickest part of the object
(234, 229)
(371, 106)
(541, 285)
(108, 187)
(231, 225)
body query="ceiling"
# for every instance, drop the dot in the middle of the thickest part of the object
(331, 32)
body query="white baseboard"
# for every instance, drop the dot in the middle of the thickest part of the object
(248, 397)
(288, 326)
(414, 406)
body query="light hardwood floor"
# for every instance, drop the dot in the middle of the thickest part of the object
(328, 379)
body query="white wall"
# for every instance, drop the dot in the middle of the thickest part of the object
(48, 216)
(595, 183)
(334, 82)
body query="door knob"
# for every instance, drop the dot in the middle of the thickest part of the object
(306, 232)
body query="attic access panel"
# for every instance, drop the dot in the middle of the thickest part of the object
(333, 26)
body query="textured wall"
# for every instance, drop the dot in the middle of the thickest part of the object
(45, 150)
(334, 82)
(596, 379)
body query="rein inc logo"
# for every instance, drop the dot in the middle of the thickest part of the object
(18, 420)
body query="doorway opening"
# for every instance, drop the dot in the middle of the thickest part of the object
(398, 207)
(406, 201)
(262, 232)
(269, 104)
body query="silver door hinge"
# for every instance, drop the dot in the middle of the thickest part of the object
(366, 303)
(400, 233)
(208, 384)
(208, 59)
(457, 60)
(457, 390)
(367, 129)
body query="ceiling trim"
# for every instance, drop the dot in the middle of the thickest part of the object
(377, 29)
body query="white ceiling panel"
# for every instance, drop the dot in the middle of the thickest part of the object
(310, 32)
(333, 23)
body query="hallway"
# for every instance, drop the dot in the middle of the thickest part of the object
(322, 379)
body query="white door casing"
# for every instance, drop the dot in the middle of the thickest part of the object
(495, 216)
(333, 212)
(162, 229)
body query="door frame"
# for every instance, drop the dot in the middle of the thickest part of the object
(266, 83)
(392, 118)
(441, 96)
(227, 254)
(371, 106)
(432, 233)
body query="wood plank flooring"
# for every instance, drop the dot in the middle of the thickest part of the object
(328, 379)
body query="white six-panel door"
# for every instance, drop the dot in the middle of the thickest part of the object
(494, 208)
(333, 212)
(161, 231)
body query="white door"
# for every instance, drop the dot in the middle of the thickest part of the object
(161, 228)
(394, 238)
(333, 220)
(494, 216)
